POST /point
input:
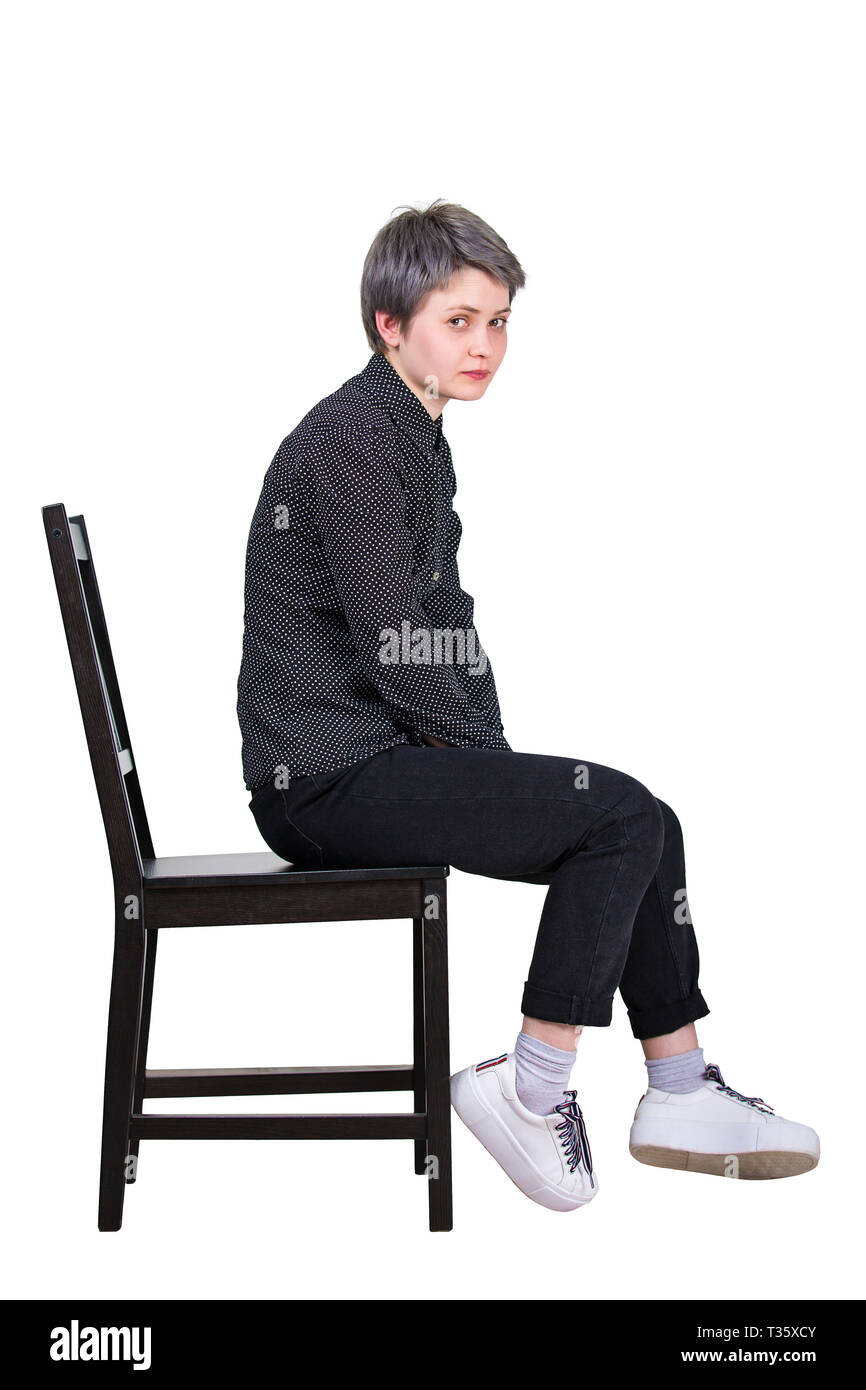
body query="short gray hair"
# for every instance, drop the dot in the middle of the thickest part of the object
(419, 251)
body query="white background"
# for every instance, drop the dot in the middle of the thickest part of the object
(661, 491)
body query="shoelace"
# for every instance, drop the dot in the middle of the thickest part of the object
(712, 1073)
(572, 1132)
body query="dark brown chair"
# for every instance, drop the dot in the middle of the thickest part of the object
(235, 889)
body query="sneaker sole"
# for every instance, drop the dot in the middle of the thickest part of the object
(778, 1163)
(501, 1144)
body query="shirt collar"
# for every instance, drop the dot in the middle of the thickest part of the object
(380, 379)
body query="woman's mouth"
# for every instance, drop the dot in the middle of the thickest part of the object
(477, 376)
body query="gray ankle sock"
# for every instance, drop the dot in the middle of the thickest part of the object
(679, 1074)
(541, 1073)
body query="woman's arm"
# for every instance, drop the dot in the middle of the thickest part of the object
(359, 505)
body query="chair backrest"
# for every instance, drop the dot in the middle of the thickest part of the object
(108, 741)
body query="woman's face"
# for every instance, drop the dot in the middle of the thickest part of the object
(456, 331)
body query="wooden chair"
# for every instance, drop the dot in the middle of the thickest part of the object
(235, 889)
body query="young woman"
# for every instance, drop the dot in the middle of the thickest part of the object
(372, 735)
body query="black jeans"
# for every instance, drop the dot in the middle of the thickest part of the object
(615, 914)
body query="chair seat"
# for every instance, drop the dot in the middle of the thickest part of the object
(246, 870)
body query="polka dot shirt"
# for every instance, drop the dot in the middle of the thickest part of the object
(357, 633)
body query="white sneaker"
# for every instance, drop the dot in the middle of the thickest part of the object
(717, 1130)
(546, 1156)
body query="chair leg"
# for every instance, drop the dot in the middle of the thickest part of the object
(144, 1034)
(437, 1054)
(124, 1015)
(420, 1088)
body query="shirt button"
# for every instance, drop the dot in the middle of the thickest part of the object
(435, 574)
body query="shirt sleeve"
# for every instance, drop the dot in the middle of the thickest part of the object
(360, 507)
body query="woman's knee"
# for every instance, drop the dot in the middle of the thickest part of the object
(673, 830)
(653, 819)
(641, 818)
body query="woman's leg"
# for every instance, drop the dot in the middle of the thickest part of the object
(671, 1044)
(593, 834)
(659, 983)
(561, 1035)
(612, 856)
(662, 963)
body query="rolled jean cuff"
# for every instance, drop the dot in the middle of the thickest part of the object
(667, 1018)
(565, 1008)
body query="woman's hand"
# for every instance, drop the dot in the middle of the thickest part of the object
(428, 738)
